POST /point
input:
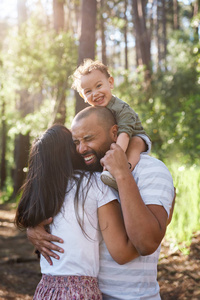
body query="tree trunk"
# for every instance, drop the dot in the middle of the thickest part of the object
(102, 29)
(60, 107)
(22, 146)
(24, 107)
(125, 35)
(87, 40)
(195, 7)
(59, 114)
(22, 13)
(175, 15)
(3, 147)
(158, 40)
(142, 36)
(164, 34)
(58, 14)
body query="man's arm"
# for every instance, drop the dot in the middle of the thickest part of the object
(43, 241)
(145, 225)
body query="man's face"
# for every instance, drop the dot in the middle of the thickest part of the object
(91, 140)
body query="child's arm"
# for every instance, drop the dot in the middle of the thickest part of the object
(136, 146)
(132, 147)
(123, 140)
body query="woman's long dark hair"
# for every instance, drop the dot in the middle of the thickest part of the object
(52, 163)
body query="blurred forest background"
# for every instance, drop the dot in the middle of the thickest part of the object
(152, 48)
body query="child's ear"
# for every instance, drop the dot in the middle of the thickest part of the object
(111, 81)
(82, 97)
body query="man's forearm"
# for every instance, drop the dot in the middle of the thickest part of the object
(145, 225)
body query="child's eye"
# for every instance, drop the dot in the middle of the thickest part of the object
(99, 85)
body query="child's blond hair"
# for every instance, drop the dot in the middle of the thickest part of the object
(85, 68)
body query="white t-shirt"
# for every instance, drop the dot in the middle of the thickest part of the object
(137, 280)
(81, 253)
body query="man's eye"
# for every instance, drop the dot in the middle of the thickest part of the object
(76, 142)
(87, 139)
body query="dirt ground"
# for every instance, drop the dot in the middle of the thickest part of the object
(178, 274)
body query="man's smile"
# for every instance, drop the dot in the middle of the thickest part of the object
(89, 159)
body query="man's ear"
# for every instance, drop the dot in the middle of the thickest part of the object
(111, 81)
(114, 130)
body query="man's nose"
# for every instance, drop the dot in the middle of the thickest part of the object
(82, 148)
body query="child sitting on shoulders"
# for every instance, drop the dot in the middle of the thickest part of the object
(94, 83)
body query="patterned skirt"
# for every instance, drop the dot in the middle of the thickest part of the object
(67, 288)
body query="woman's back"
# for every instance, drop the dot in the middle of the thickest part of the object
(81, 248)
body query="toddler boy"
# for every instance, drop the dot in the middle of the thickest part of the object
(94, 83)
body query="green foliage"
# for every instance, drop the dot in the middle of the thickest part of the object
(186, 217)
(36, 61)
(177, 102)
(40, 59)
(6, 193)
(170, 107)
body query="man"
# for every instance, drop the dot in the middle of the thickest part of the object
(146, 197)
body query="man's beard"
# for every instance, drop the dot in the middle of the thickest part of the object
(96, 167)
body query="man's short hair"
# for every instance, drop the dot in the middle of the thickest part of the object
(104, 116)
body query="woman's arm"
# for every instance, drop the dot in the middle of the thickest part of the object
(114, 233)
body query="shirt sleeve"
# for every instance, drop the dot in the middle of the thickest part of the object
(147, 141)
(155, 182)
(127, 119)
(105, 194)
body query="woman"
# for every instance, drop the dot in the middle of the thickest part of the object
(58, 187)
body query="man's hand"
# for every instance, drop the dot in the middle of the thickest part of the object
(43, 241)
(115, 161)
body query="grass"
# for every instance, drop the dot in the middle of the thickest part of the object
(186, 217)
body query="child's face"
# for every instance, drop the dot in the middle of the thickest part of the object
(96, 88)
